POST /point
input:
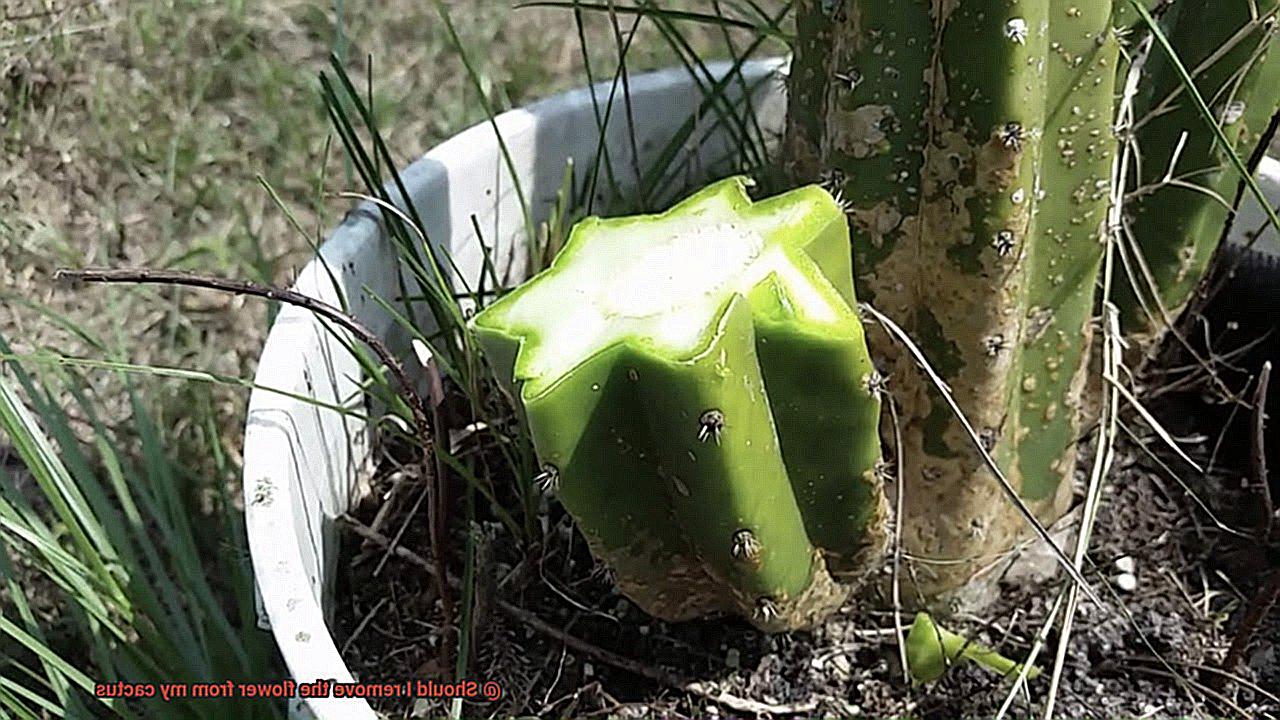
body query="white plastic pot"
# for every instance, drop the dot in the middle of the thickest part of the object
(1252, 218)
(304, 464)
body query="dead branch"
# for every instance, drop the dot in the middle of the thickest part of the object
(416, 404)
(1258, 448)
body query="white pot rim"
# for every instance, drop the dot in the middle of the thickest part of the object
(285, 446)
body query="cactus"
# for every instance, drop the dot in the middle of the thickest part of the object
(698, 388)
(1178, 226)
(972, 140)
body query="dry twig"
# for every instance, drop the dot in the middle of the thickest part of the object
(1269, 593)
(1258, 449)
(416, 404)
(658, 675)
(899, 507)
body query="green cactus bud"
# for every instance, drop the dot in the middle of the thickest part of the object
(696, 379)
(931, 649)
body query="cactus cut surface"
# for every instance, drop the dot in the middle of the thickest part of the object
(698, 390)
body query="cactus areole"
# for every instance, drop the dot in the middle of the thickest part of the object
(978, 193)
(974, 143)
(699, 392)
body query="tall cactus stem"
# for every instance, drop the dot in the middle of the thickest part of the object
(975, 153)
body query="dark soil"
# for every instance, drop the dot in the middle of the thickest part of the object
(1151, 651)
(1178, 557)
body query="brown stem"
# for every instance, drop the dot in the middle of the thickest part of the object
(1258, 609)
(1259, 447)
(416, 405)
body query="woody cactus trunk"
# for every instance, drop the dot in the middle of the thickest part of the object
(972, 142)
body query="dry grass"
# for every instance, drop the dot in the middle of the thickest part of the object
(133, 134)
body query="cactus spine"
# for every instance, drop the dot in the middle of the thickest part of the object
(698, 385)
(975, 151)
(1176, 226)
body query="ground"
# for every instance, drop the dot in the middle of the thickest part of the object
(561, 641)
(143, 133)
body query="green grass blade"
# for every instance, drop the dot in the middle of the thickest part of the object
(176, 373)
(492, 117)
(65, 497)
(42, 651)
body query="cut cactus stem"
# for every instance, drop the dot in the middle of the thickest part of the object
(697, 378)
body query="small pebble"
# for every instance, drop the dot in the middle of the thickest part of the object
(1127, 582)
(1125, 564)
(842, 667)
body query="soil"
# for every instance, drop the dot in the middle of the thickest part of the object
(1178, 557)
(561, 642)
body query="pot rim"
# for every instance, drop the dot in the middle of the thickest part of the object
(284, 579)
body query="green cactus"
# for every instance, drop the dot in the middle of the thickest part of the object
(698, 386)
(1177, 226)
(972, 140)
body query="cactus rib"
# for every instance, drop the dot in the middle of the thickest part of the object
(666, 365)
(1184, 197)
(975, 155)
